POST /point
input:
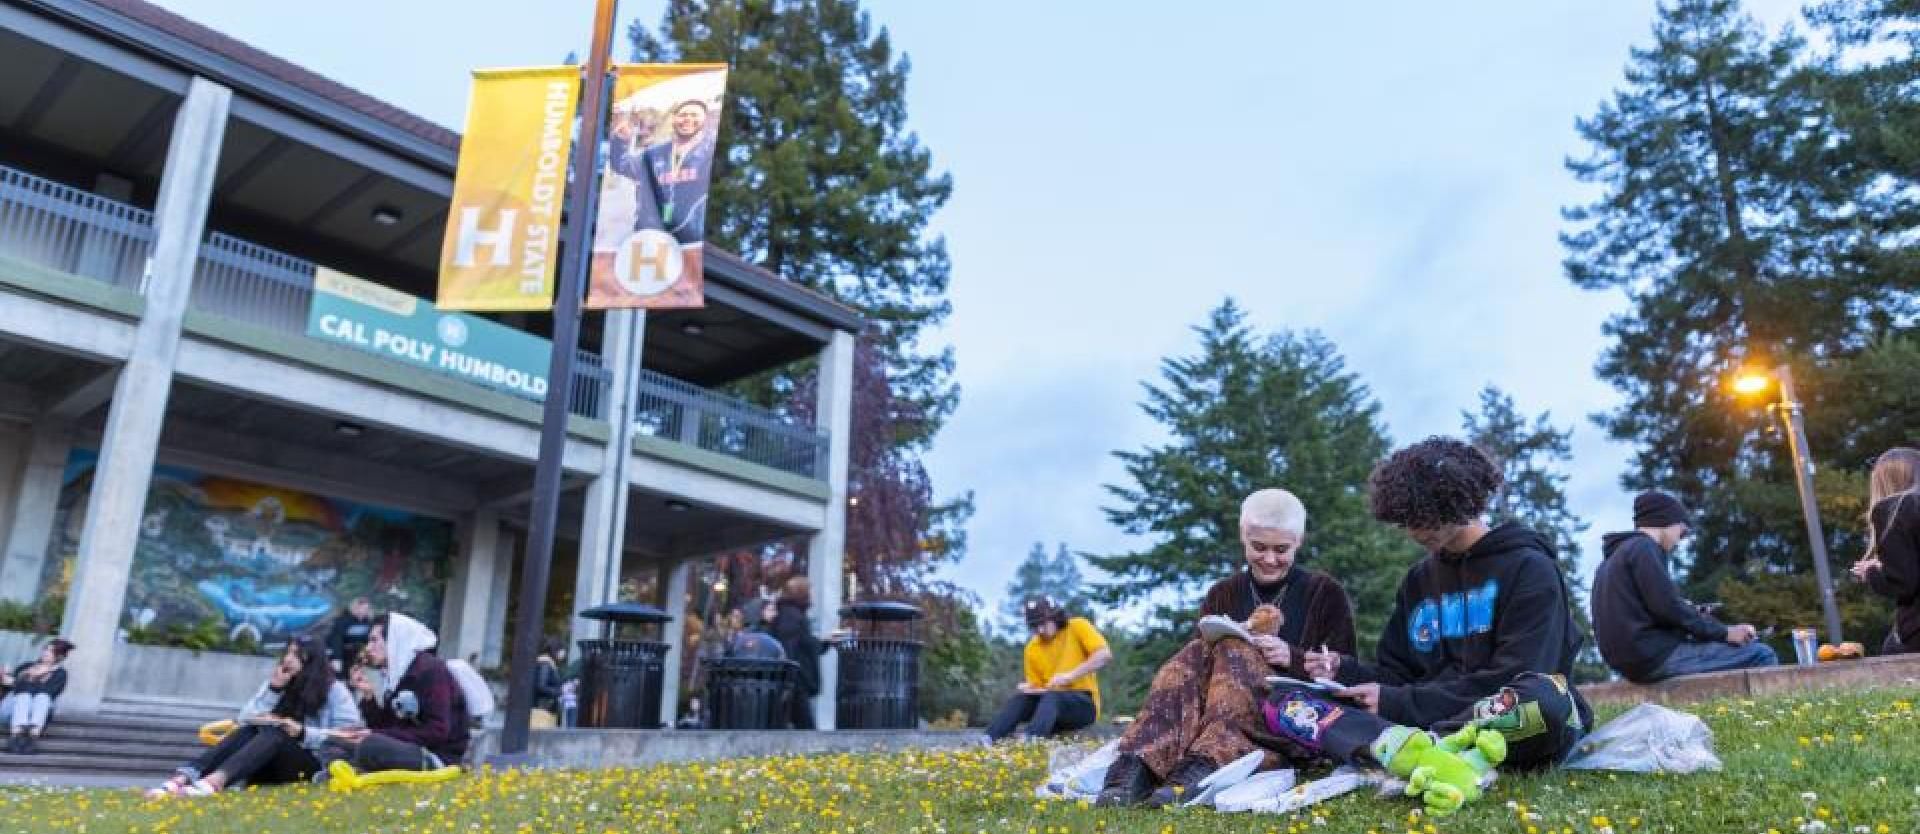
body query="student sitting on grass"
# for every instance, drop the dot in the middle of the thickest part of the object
(417, 720)
(1060, 692)
(1481, 639)
(295, 711)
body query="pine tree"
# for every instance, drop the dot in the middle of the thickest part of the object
(1533, 491)
(1728, 220)
(821, 181)
(1246, 413)
(1056, 577)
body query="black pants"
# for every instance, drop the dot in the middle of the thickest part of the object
(1046, 713)
(377, 752)
(259, 756)
(1541, 717)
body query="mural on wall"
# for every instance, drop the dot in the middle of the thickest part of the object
(267, 562)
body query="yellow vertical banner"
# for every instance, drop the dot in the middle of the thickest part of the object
(650, 232)
(503, 226)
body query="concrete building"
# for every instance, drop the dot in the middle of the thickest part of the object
(166, 196)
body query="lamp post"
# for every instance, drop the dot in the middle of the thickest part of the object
(1791, 413)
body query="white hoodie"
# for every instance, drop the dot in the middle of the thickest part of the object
(406, 639)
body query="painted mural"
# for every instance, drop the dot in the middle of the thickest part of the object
(266, 562)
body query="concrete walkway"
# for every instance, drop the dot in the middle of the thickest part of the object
(1896, 670)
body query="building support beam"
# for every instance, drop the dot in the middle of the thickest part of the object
(676, 579)
(603, 524)
(36, 500)
(117, 503)
(826, 552)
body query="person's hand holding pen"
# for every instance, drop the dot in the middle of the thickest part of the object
(1323, 664)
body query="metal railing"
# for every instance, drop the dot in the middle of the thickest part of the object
(73, 231)
(90, 236)
(669, 408)
(251, 283)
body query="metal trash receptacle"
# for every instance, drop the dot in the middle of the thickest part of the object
(749, 693)
(621, 679)
(879, 678)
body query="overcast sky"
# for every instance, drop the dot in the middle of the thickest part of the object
(1387, 173)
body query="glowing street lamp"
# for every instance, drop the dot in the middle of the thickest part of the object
(1752, 382)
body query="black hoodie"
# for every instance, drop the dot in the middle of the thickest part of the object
(1639, 616)
(1466, 625)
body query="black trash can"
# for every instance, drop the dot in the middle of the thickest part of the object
(747, 693)
(620, 679)
(879, 680)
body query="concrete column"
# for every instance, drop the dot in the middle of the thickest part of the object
(118, 501)
(463, 620)
(29, 532)
(676, 582)
(604, 524)
(827, 550)
(493, 645)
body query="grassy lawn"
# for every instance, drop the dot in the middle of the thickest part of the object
(1835, 762)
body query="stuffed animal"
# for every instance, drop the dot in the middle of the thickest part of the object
(1266, 620)
(1446, 773)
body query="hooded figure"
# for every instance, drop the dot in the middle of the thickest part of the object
(417, 718)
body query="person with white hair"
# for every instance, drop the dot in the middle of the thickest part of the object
(1203, 709)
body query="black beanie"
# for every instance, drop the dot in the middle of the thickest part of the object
(1658, 509)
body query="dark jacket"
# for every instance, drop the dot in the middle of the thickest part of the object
(674, 201)
(1639, 617)
(1316, 608)
(53, 685)
(546, 685)
(347, 637)
(1466, 625)
(1896, 537)
(796, 635)
(441, 725)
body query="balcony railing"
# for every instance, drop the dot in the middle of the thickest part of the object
(90, 236)
(669, 408)
(72, 231)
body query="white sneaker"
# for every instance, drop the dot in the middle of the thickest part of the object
(199, 788)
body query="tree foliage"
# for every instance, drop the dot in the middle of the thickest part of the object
(1248, 412)
(1056, 577)
(820, 179)
(1732, 220)
(1757, 210)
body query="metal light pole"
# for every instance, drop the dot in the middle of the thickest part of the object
(1790, 413)
(553, 426)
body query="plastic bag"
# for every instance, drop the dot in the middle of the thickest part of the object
(1274, 792)
(1075, 773)
(1646, 739)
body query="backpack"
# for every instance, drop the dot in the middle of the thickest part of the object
(478, 695)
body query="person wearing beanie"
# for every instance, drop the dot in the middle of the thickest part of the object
(1646, 630)
(1060, 692)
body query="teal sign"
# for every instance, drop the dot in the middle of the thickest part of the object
(373, 318)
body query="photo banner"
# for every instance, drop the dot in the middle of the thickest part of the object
(503, 227)
(651, 226)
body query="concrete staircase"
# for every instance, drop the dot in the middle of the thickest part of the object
(127, 740)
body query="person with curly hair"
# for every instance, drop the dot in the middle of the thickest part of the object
(1480, 644)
